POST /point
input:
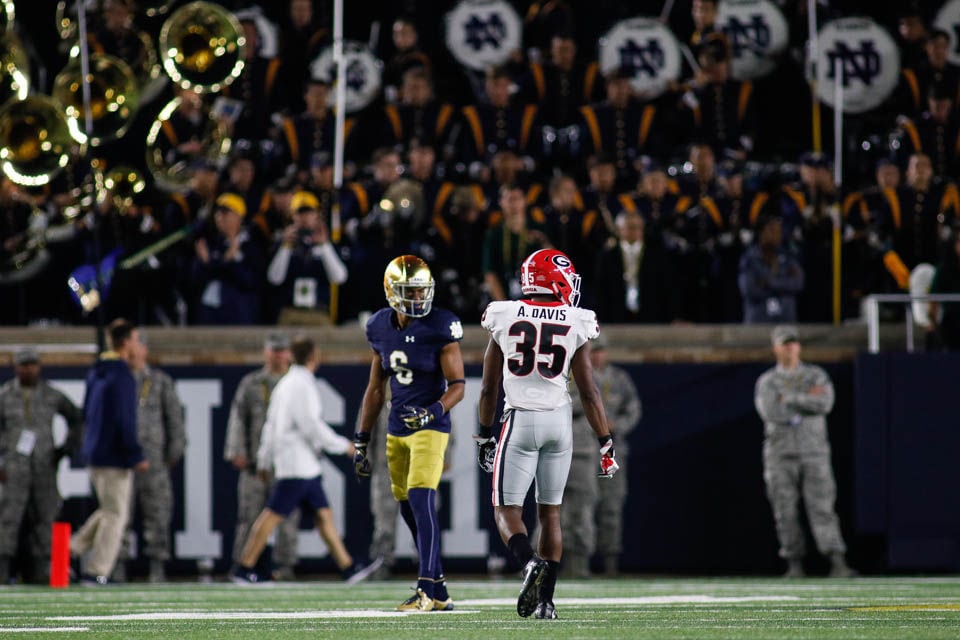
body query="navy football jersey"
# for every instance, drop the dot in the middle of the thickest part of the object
(411, 357)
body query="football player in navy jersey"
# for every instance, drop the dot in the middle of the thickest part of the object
(416, 347)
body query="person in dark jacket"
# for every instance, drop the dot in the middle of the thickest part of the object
(770, 277)
(111, 450)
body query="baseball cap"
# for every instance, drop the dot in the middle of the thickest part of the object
(26, 355)
(277, 341)
(783, 334)
(304, 200)
(232, 202)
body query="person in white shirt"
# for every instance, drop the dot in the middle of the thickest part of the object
(291, 449)
(535, 345)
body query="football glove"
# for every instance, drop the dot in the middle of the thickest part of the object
(608, 460)
(417, 417)
(361, 463)
(486, 449)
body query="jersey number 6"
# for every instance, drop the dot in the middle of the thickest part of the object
(532, 344)
(402, 373)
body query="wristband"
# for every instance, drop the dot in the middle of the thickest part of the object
(485, 431)
(604, 440)
(363, 437)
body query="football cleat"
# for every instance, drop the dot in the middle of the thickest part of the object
(360, 572)
(443, 605)
(419, 601)
(533, 575)
(242, 575)
(545, 611)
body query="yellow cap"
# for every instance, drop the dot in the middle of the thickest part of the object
(233, 202)
(304, 200)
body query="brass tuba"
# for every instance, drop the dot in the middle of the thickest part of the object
(121, 185)
(35, 140)
(113, 97)
(201, 47)
(14, 68)
(171, 170)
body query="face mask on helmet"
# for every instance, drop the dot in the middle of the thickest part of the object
(409, 286)
(550, 272)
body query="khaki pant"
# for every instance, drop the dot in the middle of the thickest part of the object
(102, 533)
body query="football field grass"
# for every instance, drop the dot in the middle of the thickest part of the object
(622, 609)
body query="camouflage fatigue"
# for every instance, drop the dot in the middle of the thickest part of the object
(383, 505)
(163, 436)
(247, 415)
(32, 478)
(592, 513)
(796, 457)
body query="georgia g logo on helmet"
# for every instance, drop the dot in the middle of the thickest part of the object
(550, 272)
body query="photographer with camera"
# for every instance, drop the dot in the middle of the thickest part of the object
(305, 265)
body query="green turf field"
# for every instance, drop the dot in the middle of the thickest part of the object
(869, 608)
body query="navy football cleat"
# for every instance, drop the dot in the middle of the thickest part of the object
(533, 575)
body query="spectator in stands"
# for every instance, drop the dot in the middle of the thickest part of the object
(313, 129)
(662, 209)
(545, 19)
(258, 87)
(739, 208)
(704, 14)
(459, 248)
(407, 55)
(120, 37)
(305, 265)
(241, 178)
(601, 195)
(945, 316)
(417, 115)
(301, 39)
(500, 125)
(912, 31)
(916, 219)
(570, 228)
(227, 272)
(720, 107)
(793, 400)
(620, 126)
(633, 281)
(562, 84)
(514, 234)
(935, 133)
(274, 213)
(770, 277)
(934, 69)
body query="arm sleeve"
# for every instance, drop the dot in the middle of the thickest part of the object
(236, 441)
(74, 417)
(321, 436)
(811, 404)
(332, 264)
(277, 271)
(127, 415)
(176, 434)
(768, 403)
(627, 415)
(267, 439)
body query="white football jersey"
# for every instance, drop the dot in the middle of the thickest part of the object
(538, 340)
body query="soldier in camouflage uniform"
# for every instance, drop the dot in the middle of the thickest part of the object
(247, 415)
(382, 503)
(793, 399)
(163, 437)
(28, 461)
(592, 513)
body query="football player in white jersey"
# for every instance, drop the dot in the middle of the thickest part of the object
(535, 344)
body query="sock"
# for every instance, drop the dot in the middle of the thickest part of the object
(549, 581)
(407, 512)
(440, 588)
(424, 506)
(519, 545)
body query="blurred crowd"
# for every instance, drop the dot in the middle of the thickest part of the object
(703, 204)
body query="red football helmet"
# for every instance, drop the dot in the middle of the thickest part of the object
(550, 272)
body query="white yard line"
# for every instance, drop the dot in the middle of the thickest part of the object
(638, 600)
(243, 615)
(4, 630)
